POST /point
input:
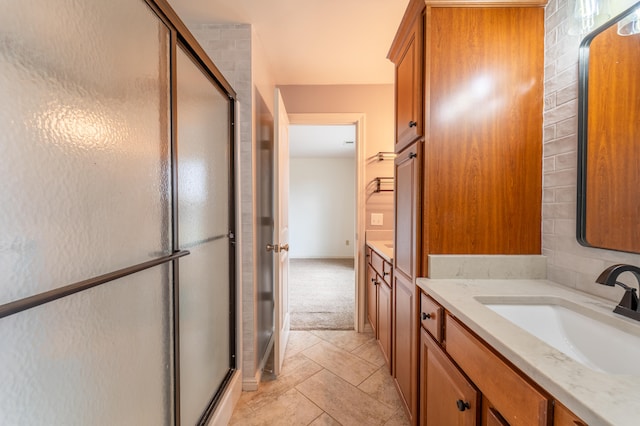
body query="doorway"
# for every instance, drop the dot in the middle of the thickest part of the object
(322, 222)
(325, 210)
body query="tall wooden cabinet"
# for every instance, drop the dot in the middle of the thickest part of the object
(468, 171)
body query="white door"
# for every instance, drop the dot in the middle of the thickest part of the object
(281, 231)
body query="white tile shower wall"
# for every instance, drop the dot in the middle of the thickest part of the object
(569, 263)
(229, 46)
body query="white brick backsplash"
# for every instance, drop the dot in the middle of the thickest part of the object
(569, 263)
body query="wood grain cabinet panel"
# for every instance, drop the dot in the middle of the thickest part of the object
(372, 298)
(431, 316)
(484, 149)
(563, 417)
(408, 177)
(405, 343)
(384, 321)
(448, 398)
(520, 403)
(407, 54)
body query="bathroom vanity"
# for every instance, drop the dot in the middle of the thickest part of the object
(482, 364)
(379, 294)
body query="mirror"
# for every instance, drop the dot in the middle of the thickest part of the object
(609, 135)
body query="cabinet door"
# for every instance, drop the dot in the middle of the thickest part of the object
(408, 176)
(384, 320)
(372, 299)
(447, 397)
(409, 121)
(405, 342)
(484, 153)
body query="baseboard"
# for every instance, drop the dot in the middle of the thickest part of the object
(321, 257)
(223, 413)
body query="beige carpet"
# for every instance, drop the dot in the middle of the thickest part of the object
(321, 294)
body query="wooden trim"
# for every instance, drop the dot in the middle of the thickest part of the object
(359, 120)
(413, 12)
(485, 3)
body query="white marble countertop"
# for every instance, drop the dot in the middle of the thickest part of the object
(383, 247)
(598, 398)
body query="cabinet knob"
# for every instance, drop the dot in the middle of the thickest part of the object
(462, 405)
(412, 155)
(412, 123)
(426, 316)
(384, 274)
(373, 280)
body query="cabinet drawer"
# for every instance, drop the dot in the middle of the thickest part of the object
(377, 261)
(431, 316)
(563, 417)
(517, 401)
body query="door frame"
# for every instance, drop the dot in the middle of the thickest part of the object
(357, 119)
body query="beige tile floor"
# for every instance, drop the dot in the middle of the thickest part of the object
(328, 378)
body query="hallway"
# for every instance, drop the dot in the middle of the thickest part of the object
(329, 377)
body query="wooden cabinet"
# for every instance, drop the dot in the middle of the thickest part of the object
(408, 179)
(379, 300)
(384, 320)
(517, 401)
(407, 55)
(372, 298)
(408, 185)
(405, 342)
(483, 144)
(468, 174)
(462, 367)
(447, 397)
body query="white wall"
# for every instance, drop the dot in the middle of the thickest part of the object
(568, 262)
(322, 202)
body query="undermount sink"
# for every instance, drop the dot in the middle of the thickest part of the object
(593, 343)
(390, 245)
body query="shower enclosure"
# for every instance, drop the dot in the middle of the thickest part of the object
(117, 233)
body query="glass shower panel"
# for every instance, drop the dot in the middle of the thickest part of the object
(84, 146)
(99, 357)
(203, 212)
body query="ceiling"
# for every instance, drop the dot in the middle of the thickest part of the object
(312, 42)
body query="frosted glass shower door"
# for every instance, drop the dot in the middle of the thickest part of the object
(203, 212)
(86, 192)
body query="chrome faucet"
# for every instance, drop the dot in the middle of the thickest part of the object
(629, 305)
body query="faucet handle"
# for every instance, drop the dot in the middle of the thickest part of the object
(630, 298)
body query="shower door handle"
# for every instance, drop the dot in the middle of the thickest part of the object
(273, 247)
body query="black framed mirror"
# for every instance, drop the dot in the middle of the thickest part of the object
(608, 213)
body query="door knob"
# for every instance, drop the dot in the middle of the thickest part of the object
(284, 247)
(273, 247)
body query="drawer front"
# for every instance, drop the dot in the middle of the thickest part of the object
(377, 261)
(367, 252)
(431, 316)
(563, 417)
(517, 401)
